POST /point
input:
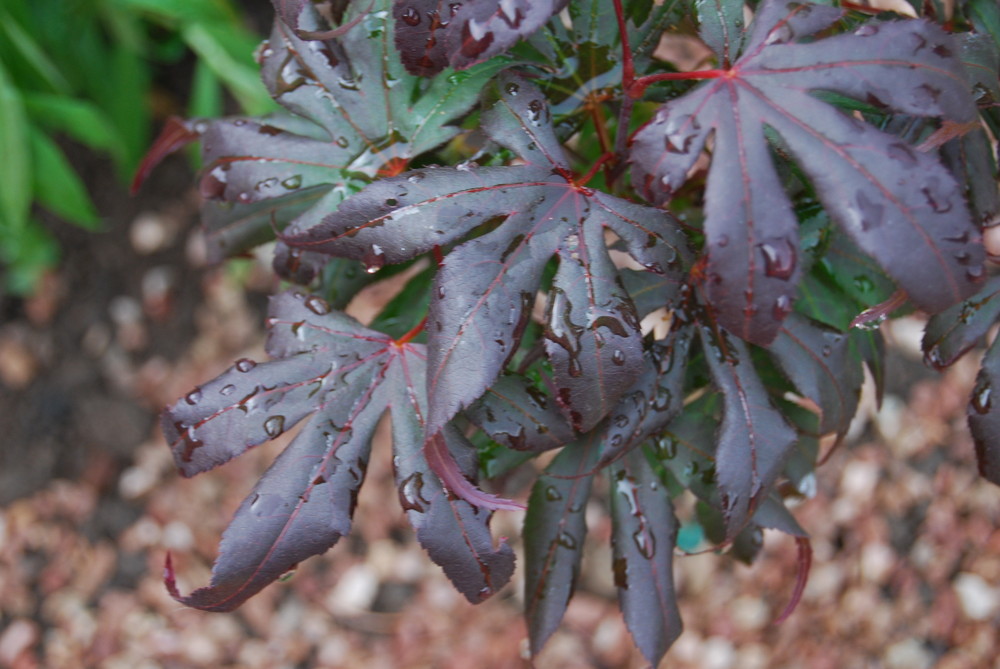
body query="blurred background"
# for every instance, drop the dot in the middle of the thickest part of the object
(109, 312)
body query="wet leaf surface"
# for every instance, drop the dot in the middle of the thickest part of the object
(897, 204)
(593, 339)
(303, 504)
(433, 34)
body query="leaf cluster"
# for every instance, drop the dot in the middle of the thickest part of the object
(656, 271)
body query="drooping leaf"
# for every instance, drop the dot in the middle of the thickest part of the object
(897, 204)
(358, 115)
(753, 440)
(434, 34)
(652, 402)
(984, 415)
(554, 530)
(344, 377)
(951, 333)
(818, 361)
(515, 413)
(486, 286)
(644, 531)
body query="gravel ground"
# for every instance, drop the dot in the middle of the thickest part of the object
(906, 572)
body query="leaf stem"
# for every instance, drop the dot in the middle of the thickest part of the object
(582, 181)
(414, 331)
(638, 86)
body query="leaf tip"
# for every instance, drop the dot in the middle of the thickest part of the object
(176, 134)
(805, 564)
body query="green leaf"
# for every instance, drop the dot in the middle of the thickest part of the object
(33, 54)
(240, 78)
(80, 119)
(57, 186)
(15, 156)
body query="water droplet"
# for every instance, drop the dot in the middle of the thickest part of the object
(645, 542)
(475, 39)
(940, 204)
(661, 402)
(342, 142)
(193, 397)
(292, 182)
(723, 241)
(981, 400)
(618, 357)
(867, 30)
(391, 202)
(227, 390)
(274, 426)
(535, 109)
(779, 258)
(411, 493)
(245, 365)
(416, 177)
(827, 350)
(782, 307)
(975, 274)
(245, 197)
(870, 212)
(410, 16)
(512, 89)
(566, 540)
(264, 504)
(374, 259)
(863, 283)
(552, 495)
(317, 305)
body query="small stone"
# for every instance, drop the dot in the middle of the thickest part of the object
(979, 600)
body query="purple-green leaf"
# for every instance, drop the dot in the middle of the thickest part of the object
(753, 440)
(554, 531)
(898, 204)
(515, 413)
(951, 333)
(486, 286)
(434, 34)
(818, 360)
(346, 377)
(644, 531)
(984, 415)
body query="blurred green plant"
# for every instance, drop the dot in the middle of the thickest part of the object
(83, 70)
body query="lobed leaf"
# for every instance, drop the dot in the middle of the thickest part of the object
(753, 440)
(432, 34)
(984, 416)
(592, 333)
(344, 377)
(357, 115)
(554, 531)
(818, 360)
(951, 333)
(644, 531)
(886, 195)
(515, 413)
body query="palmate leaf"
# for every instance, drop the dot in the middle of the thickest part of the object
(984, 415)
(357, 115)
(644, 531)
(897, 204)
(818, 361)
(951, 333)
(434, 34)
(486, 286)
(753, 440)
(344, 377)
